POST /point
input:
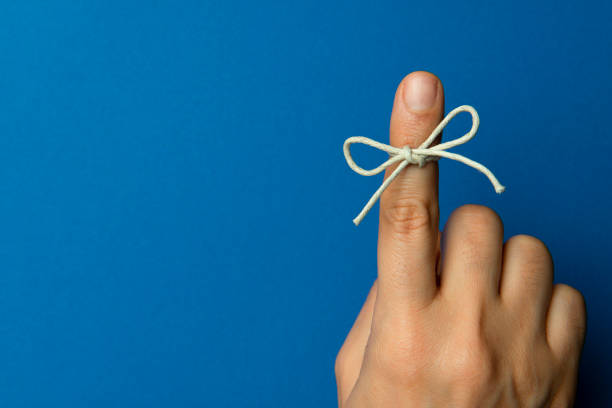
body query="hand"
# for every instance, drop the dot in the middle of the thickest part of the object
(461, 321)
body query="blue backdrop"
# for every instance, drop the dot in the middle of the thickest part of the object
(175, 211)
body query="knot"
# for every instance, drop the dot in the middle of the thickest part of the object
(413, 158)
(406, 155)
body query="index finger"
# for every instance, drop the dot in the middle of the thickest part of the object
(409, 213)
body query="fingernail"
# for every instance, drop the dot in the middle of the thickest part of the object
(421, 92)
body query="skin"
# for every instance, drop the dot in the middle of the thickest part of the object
(456, 318)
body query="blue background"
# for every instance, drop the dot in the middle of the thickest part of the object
(175, 209)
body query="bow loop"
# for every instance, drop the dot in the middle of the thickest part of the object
(420, 155)
(395, 155)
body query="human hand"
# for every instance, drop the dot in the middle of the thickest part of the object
(457, 319)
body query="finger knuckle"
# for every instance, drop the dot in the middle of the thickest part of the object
(531, 249)
(478, 217)
(407, 215)
(528, 243)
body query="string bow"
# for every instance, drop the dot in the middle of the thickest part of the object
(420, 155)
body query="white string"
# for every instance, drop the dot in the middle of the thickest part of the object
(421, 155)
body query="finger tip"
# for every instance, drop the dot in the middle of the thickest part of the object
(418, 108)
(419, 90)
